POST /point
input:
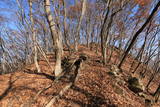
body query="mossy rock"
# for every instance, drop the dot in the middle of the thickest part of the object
(135, 85)
(133, 80)
(135, 89)
(65, 62)
(84, 57)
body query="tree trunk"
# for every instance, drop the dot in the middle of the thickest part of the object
(140, 53)
(103, 50)
(137, 34)
(3, 63)
(56, 37)
(79, 24)
(65, 25)
(34, 37)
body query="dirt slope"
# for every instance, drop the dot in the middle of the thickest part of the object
(93, 88)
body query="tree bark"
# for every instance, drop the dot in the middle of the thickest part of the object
(56, 37)
(34, 36)
(79, 24)
(103, 48)
(65, 25)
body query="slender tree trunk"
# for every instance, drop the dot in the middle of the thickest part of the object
(34, 36)
(87, 39)
(92, 39)
(112, 49)
(56, 37)
(79, 24)
(3, 63)
(137, 34)
(103, 47)
(140, 53)
(65, 25)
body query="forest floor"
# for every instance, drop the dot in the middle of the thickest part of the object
(93, 88)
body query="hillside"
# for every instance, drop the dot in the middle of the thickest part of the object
(80, 53)
(94, 87)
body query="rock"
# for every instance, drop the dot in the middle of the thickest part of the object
(65, 62)
(120, 81)
(148, 103)
(83, 57)
(148, 100)
(116, 69)
(99, 61)
(141, 94)
(114, 74)
(118, 90)
(135, 85)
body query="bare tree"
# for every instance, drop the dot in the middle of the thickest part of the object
(56, 37)
(2, 58)
(137, 34)
(34, 36)
(66, 33)
(79, 24)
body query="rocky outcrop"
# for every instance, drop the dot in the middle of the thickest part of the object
(135, 85)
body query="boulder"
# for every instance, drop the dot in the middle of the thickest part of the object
(135, 85)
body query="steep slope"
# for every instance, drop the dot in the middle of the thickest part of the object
(93, 88)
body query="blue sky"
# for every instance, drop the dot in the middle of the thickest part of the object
(7, 10)
(9, 7)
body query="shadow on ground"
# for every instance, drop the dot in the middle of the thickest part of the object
(93, 100)
(41, 74)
